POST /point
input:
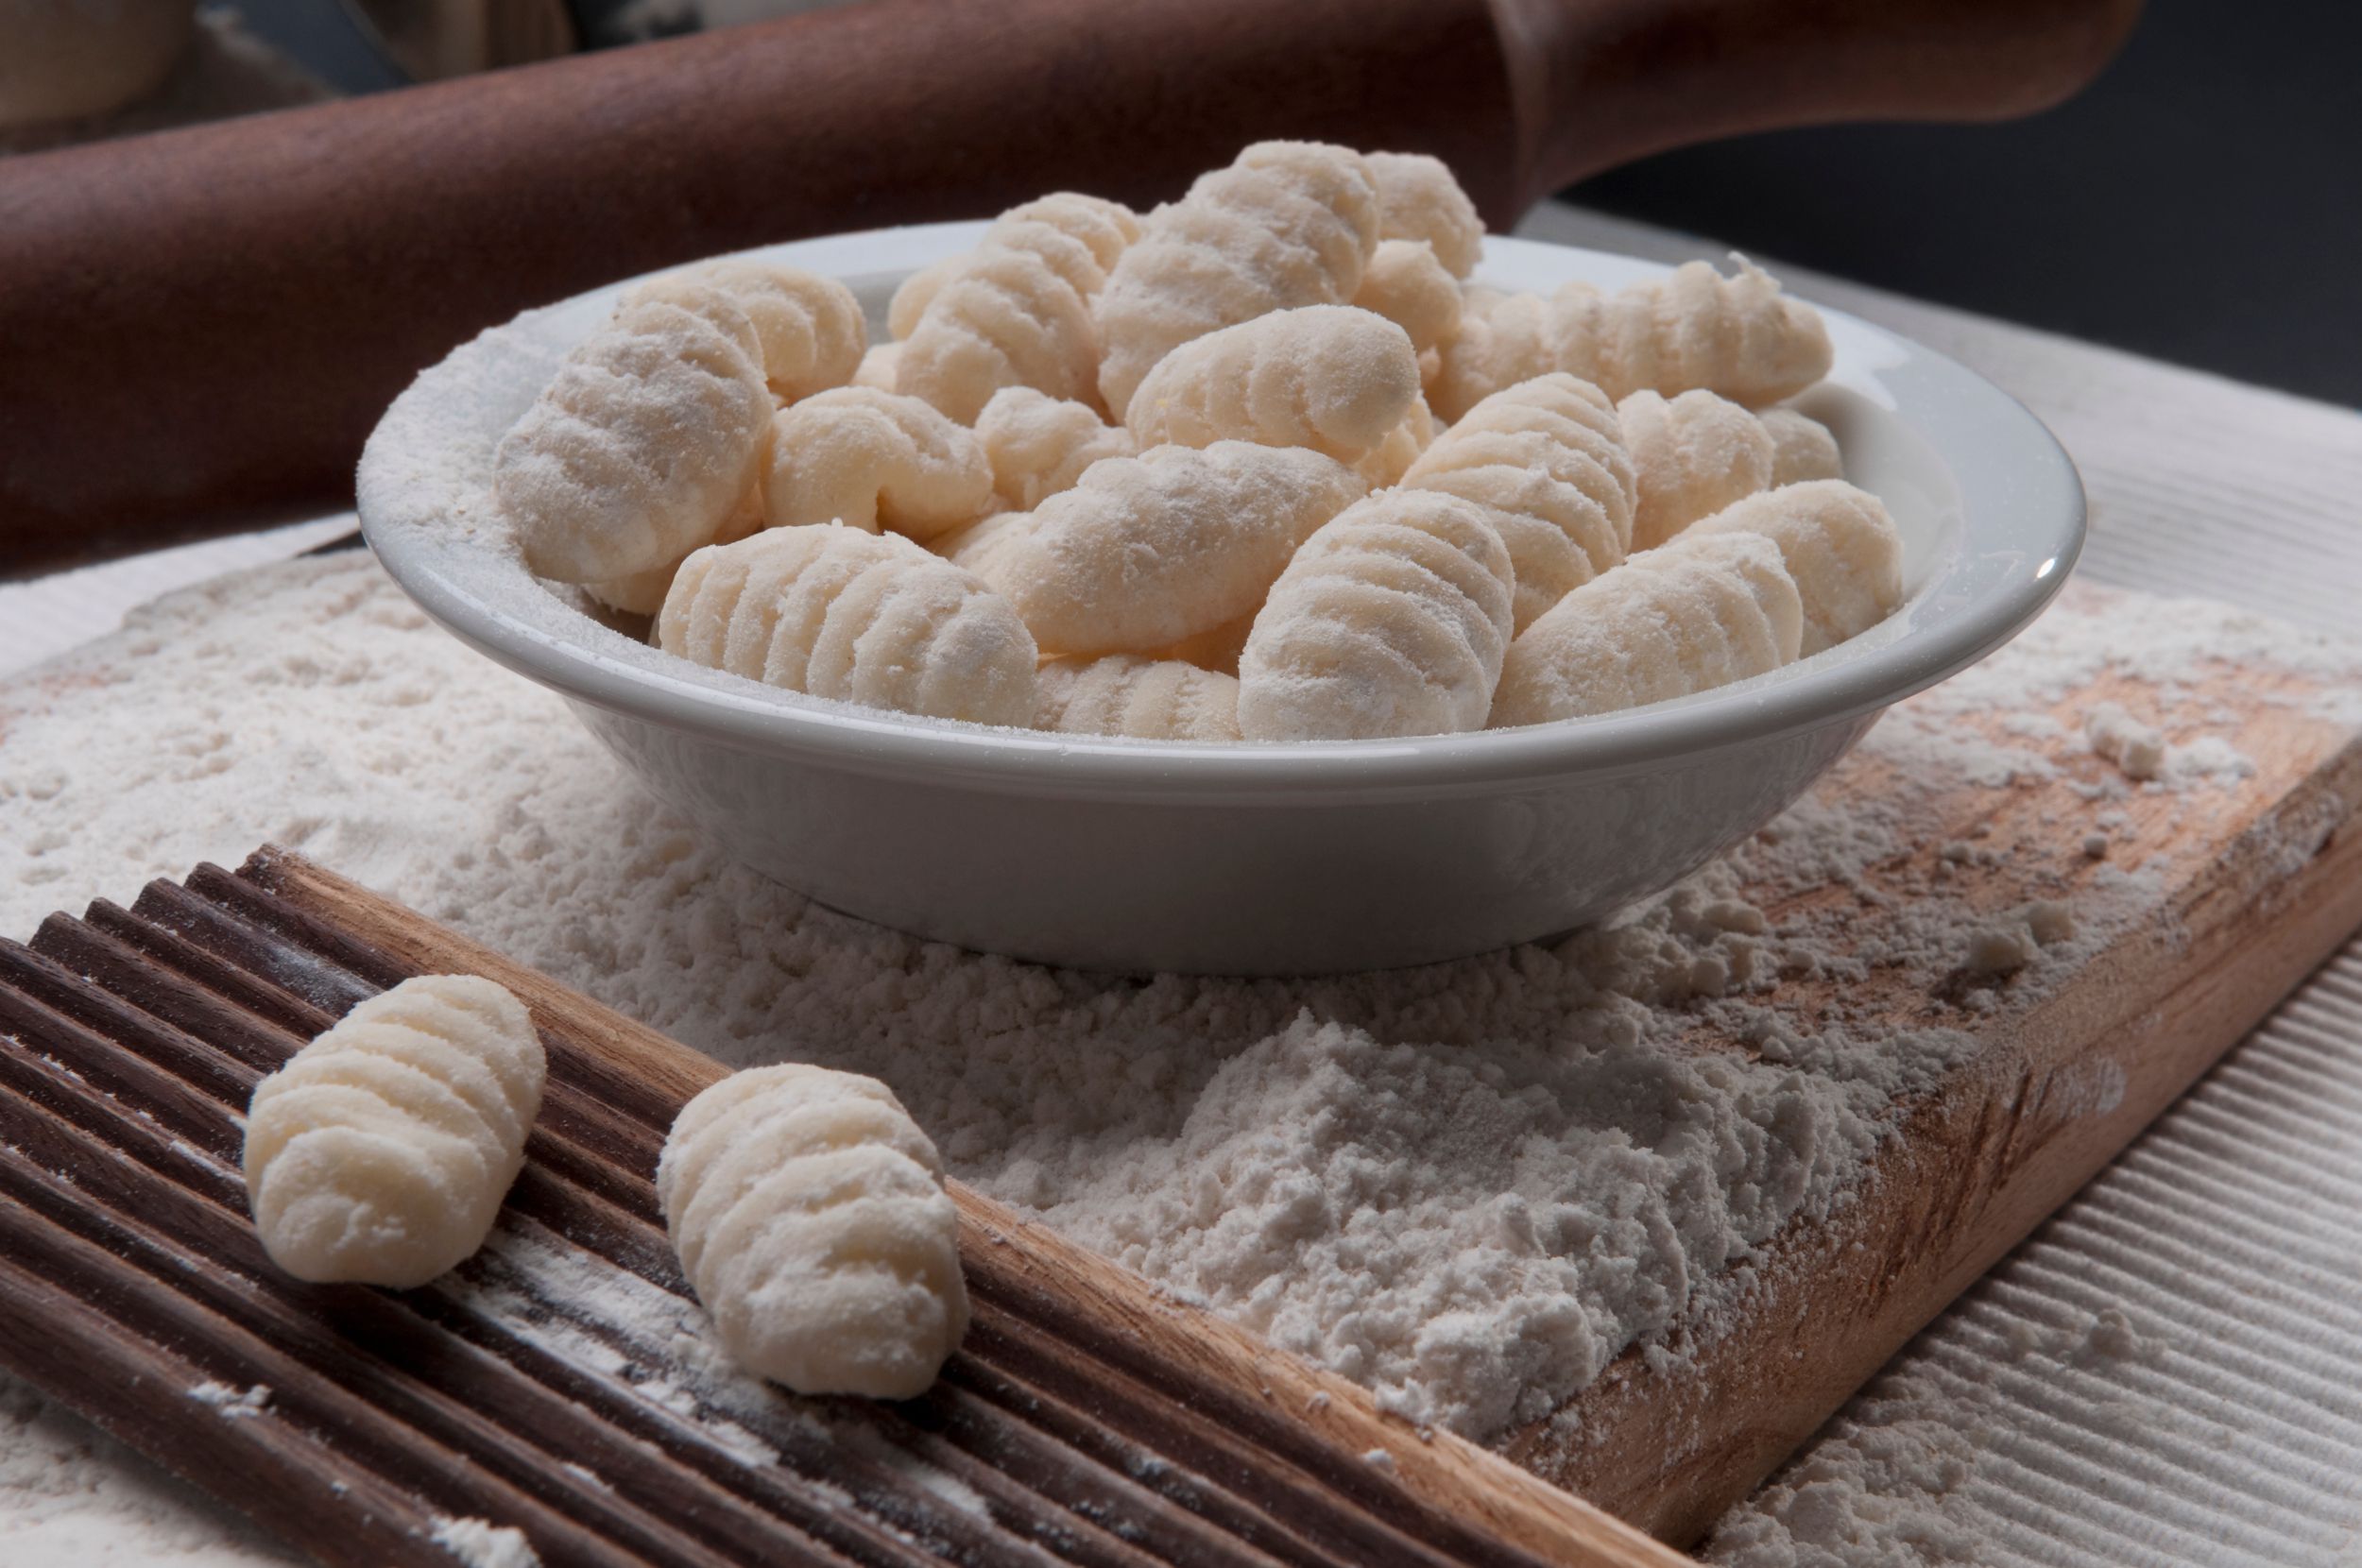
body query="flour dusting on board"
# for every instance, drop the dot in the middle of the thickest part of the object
(1470, 1186)
(481, 1544)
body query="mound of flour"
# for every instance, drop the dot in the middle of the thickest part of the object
(1467, 1185)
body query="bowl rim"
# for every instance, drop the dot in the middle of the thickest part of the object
(2023, 528)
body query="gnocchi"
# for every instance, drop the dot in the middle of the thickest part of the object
(640, 445)
(1328, 377)
(1037, 445)
(1406, 284)
(1545, 460)
(872, 459)
(809, 330)
(1150, 699)
(1691, 456)
(1146, 550)
(1017, 312)
(1802, 448)
(1695, 330)
(1391, 621)
(810, 1216)
(1419, 199)
(1263, 464)
(862, 618)
(1840, 546)
(1287, 224)
(1386, 463)
(878, 367)
(380, 1153)
(1701, 612)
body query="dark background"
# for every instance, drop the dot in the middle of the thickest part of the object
(2201, 203)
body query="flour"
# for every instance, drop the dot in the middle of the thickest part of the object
(480, 1543)
(233, 1404)
(1468, 1186)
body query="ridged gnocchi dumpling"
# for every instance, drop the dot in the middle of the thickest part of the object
(1701, 612)
(380, 1151)
(1692, 456)
(862, 618)
(808, 328)
(1149, 549)
(872, 459)
(1406, 284)
(1038, 445)
(642, 444)
(1386, 463)
(1149, 699)
(1419, 199)
(1391, 621)
(810, 1216)
(1545, 460)
(1802, 448)
(878, 367)
(1017, 310)
(1287, 224)
(1694, 330)
(1331, 378)
(1840, 547)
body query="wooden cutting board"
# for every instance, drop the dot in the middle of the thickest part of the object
(1091, 1419)
(2259, 880)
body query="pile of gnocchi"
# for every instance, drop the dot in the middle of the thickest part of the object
(1261, 464)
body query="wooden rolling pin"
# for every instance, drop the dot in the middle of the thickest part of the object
(198, 328)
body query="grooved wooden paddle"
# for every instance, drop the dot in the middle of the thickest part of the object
(1087, 1421)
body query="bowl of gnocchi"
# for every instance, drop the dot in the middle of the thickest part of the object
(1291, 579)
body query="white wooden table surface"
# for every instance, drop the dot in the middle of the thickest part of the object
(2179, 1350)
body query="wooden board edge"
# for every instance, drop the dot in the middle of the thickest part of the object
(1441, 1470)
(2019, 1149)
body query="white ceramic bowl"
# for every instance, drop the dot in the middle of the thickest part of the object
(1245, 858)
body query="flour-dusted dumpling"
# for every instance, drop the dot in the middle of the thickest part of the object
(1545, 460)
(380, 1151)
(1148, 699)
(1695, 329)
(1418, 200)
(1406, 284)
(1328, 377)
(1288, 223)
(1692, 455)
(1391, 621)
(1386, 463)
(1802, 448)
(1017, 310)
(918, 290)
(1149, 549)
(1839, 545)
(643, 592)
(1217, 650)
(642, 444)
(973, 547)
(878, 367)
(1700, 612)
(811, 1217)
(1038, 445)
(810, 326)
(863, 617)
(872, 459)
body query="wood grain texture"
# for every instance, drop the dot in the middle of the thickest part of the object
(2255, 891)
(1087, 1421)
(242, 301)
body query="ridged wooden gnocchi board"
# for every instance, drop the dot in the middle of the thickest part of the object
(554, 1385)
